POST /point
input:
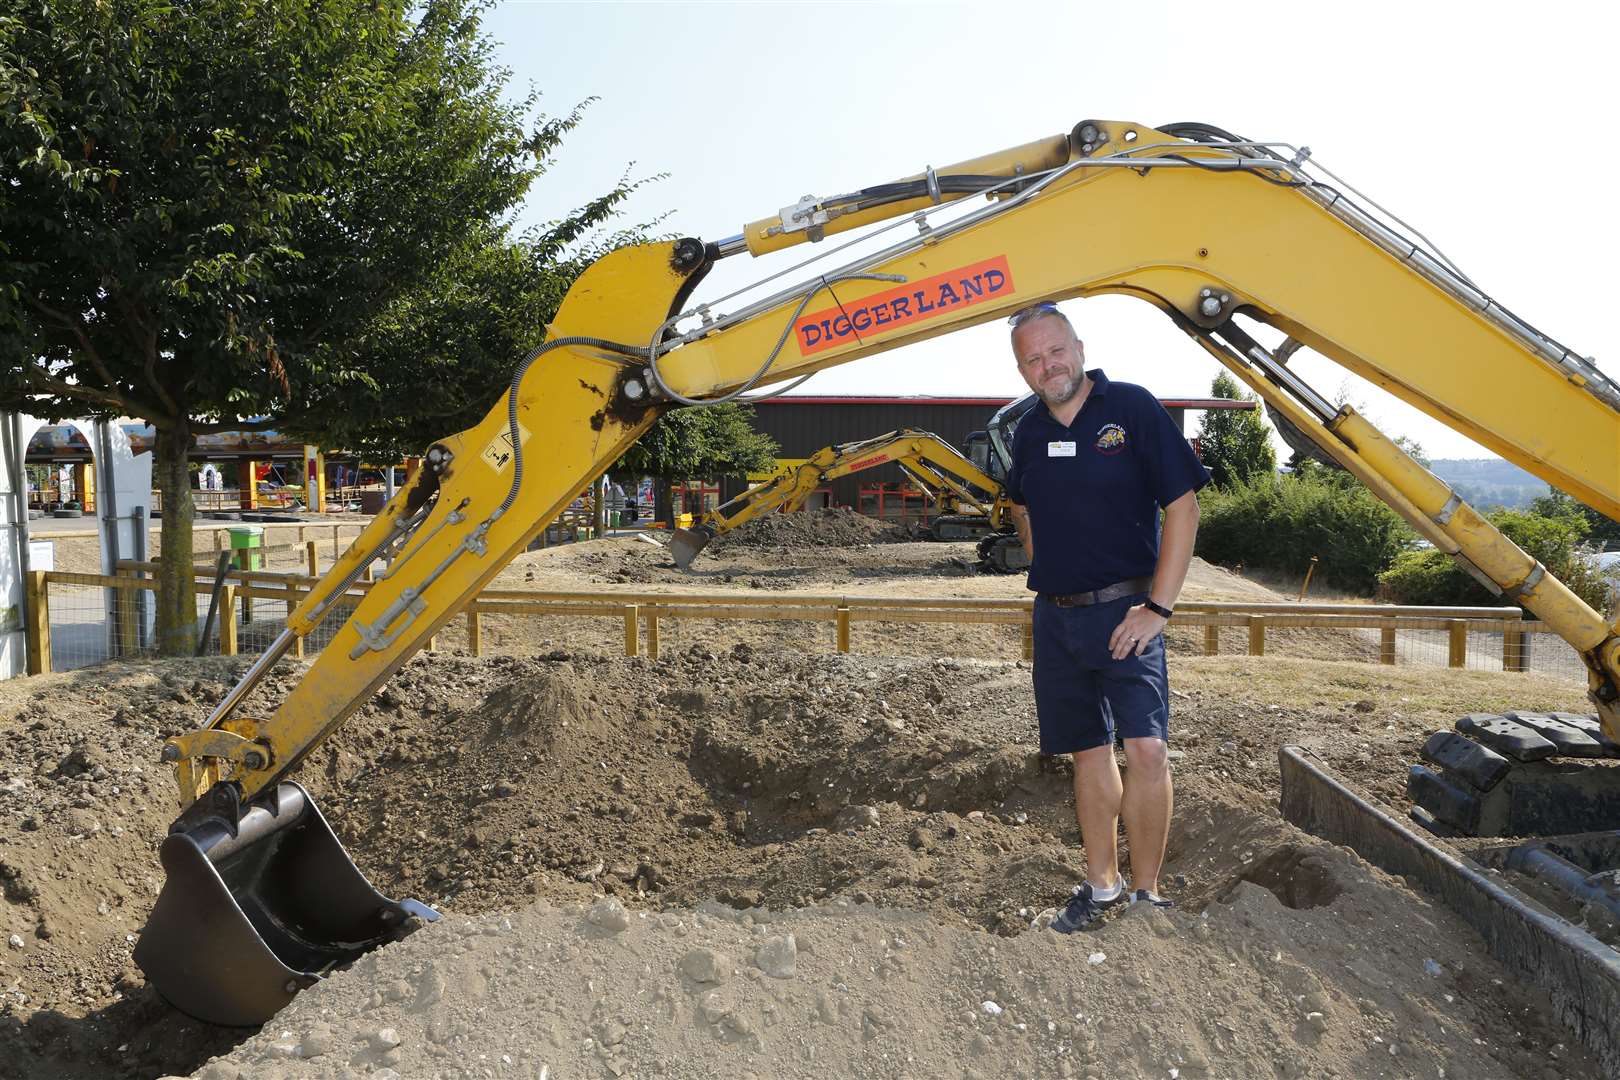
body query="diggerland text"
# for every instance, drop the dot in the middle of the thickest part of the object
(913, 302)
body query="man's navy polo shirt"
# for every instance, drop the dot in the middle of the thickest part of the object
(1094, 488)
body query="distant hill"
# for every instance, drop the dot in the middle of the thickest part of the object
(1489, 482)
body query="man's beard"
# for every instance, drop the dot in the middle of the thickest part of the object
(1063, 394)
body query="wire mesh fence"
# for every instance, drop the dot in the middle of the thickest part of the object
(93, 618)
(1528, 648)
(1542, 652)
(284, 549)
(89, 624)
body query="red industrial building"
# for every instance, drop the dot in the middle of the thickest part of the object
(803, 425)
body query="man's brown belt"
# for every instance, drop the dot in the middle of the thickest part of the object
(1100, 596)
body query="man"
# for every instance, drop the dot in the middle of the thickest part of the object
(1093, 463)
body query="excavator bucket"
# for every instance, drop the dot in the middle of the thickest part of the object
(258, 905)
(688, 544)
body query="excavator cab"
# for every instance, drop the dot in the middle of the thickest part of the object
(977, 445)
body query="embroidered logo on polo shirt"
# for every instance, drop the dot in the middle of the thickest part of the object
(1110, 439)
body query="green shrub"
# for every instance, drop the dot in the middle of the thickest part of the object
(1278, 523)
(1431, 577)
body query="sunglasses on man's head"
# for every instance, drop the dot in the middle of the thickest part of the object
(1045, 307)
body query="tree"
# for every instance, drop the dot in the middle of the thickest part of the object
(1413, 448)
(216, 212)
(1602, 532)
(1428, 576)
(433, 362)
(706, 441)
(1235, 444)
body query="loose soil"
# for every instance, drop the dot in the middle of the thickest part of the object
(833, 527)
(752, 858)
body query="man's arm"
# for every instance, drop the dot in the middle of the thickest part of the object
(1140, 625)
(1020, 517)
(1175, 549)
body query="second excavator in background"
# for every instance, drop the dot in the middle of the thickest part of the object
(966, 494)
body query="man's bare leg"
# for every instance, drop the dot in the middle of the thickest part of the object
(1097, 795)
(1146, 806)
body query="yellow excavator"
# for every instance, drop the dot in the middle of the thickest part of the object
(1250, 248)
(970, 504)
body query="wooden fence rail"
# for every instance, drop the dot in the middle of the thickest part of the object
(643, 613)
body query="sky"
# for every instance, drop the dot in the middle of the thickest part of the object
(1482, 125)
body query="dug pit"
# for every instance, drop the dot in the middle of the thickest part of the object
(598, 828)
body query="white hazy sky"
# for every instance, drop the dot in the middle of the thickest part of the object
(1483, 125)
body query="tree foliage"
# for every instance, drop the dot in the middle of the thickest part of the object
(1601, 532)
(434, 361)
(1235, 444)
(1432, 577)
(1278, 523)
(234, 214)
(703, 442)
(1414, 448)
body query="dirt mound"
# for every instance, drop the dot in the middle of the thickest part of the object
(1251, 986)
(697, 792)
(835, 527)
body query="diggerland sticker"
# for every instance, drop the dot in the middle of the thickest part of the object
(913, 302)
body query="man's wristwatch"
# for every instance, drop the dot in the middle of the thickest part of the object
(1160, 611)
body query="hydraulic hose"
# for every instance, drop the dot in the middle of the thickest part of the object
(633, 351)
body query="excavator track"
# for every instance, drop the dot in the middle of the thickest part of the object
(1524, 774)
(947, 527)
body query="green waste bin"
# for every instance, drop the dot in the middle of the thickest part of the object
(245, 543)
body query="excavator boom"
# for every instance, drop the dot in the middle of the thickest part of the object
(1205, 228)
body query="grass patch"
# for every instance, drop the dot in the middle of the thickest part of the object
(1439, 695)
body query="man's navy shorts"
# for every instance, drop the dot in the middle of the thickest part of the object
(1083, 696)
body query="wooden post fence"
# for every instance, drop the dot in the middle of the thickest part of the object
(843, 611)
(227, 620)
(1513, 649)
(39, 623)
(128, 609)
(293, 600)
(632, 620)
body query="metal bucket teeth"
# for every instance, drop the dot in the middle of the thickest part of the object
(245, 921)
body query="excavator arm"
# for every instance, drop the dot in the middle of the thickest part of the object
(1202, 225)
(953, 482)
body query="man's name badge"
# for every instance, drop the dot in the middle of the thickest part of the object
(1060, 449)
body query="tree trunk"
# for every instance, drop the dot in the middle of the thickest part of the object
(663, 501)
(176, 603)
